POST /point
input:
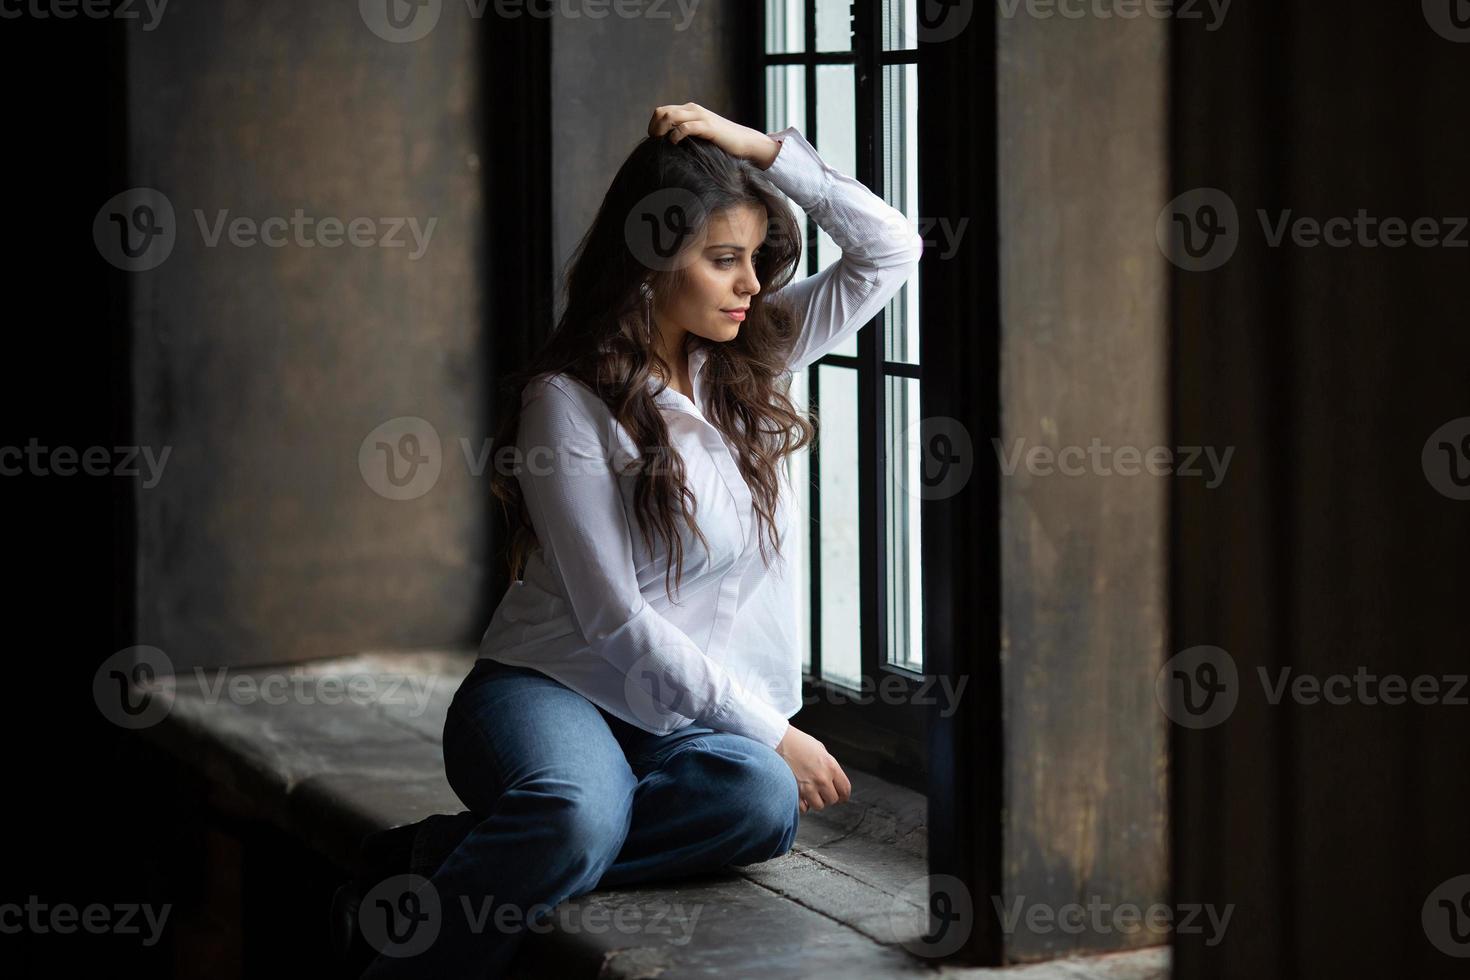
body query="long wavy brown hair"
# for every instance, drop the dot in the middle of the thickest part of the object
(602, 338)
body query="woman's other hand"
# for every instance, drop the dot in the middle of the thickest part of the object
(819, 778)
(691, 119)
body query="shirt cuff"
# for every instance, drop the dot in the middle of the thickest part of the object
(751, 717)
(798, 172)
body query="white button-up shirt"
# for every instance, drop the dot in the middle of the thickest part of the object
(590, 609)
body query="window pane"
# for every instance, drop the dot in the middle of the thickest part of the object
(905, 571)
(900, 138)
(900, 24)
(834, 25)
(785, 26)
(785, 97)
(798, 547)
(837, 144)
(837, 459)
(786, 106)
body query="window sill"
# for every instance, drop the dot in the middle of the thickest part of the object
(329, 775)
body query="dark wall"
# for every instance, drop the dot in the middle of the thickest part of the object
(1082, 140)
(1331, 548)
(265, 370)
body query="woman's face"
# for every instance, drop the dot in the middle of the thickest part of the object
(720, 277)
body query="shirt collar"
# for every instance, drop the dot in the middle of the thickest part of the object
(674, 399)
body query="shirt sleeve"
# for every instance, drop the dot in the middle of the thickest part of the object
(880, 250)
(571, 491)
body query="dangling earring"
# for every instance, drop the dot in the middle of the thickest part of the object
(647, 292)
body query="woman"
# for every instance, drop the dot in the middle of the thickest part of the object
(627, 718)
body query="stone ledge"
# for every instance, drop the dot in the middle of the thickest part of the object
(331, 773)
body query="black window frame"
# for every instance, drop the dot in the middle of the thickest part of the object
(874, 731)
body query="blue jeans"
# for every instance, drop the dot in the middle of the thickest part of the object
(574, 799)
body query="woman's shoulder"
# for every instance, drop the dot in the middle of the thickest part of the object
(569, 385)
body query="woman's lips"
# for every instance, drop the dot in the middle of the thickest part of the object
(737, 315)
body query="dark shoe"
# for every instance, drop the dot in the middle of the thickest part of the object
(384, 854)
(348, 942)
(438, 837)
(415, 848)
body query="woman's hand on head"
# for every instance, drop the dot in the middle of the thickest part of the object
(819, 778)
(692, 119)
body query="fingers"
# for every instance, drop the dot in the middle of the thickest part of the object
(682, 120)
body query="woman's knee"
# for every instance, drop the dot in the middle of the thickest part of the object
(571, 835)
(768, 801)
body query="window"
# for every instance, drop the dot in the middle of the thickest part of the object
(846, 74)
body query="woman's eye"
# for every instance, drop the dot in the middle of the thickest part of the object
(725, 263)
